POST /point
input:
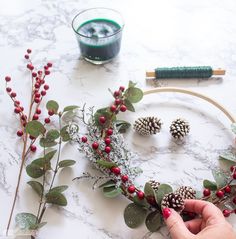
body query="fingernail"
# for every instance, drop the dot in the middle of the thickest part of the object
(166, 212)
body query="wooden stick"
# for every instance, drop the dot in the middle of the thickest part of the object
(152, 74)
(193, 93)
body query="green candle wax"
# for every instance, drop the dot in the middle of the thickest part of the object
(99, 39)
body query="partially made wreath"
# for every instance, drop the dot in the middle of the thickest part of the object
(103, 144)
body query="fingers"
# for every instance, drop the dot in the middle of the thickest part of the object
(175, 225)
(194, 225)
(210, 213)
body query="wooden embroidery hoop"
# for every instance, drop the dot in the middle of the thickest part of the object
(193, 93)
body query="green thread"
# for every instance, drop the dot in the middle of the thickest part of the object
(184, 72)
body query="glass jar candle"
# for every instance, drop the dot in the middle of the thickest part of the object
(99, 33)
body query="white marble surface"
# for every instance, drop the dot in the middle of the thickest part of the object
(157, 33)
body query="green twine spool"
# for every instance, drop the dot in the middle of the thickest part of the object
(183, 72)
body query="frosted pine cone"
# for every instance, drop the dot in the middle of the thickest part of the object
(154, 184)
(179, 128)
(186, 192)
(173, 200)
(147, 125)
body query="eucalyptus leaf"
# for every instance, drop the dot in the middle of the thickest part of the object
(134, 215)
(153, 221)
(122, 125)
(163, 189)
(47, 143)
(37, 226)
(52, 105)
(111, 192)
(42, 163)
(59, 189)
(64, 134)
(70, 107)
(109, 183)
(25, 220)
(106, 164)
(141, 202)
(148, 190)
(53, 134)
(48, 156)
(129, 105)
(34, 171)
(228, 156)
(209, 185)
(56, 198)
(35, 128)
(220, 178)
(37, 187)
(66, 163)
(134, 94)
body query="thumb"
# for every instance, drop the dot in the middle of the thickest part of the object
(175, 225)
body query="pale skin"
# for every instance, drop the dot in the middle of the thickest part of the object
(210, 224)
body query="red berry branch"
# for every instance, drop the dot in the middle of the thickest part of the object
(38, 91)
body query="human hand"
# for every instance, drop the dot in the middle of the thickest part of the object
(210, 225)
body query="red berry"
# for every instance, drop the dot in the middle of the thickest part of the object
(29, 51)
(123, 108)
(13, 94)
(95, 145)
(23, 117)
(113, 108)
(117, 101)
(234, 175)
(37, 95)
(47, 72)
(22, 108)
(19, 133)
(34, 74)
(50, 112)
(107, 141)
(42, 81)
(115, 170)
(8, 89)
(49, 64)
(26, 56)
(38, 111)
(140, 195)
(232, 168)
(84, 139)
(226, 212)
(206, 192)
(17, 103)
(234, 200)
(131, 189)
(40, 72)
(47, 120)
(122, 88)
(37, 85)
(109, 132)
(220, 194)
(33, 148)
(7, 78)
(102, 120)
(35, 117)
(37, 100)
(124, 178)
(31, 137)
(24, 124)
(227, 189)
(46, 87)
(45, 68)
(17, 110)
(151, 200)
(31, 67)
(107, 149)
(116, 93)
(43, 92)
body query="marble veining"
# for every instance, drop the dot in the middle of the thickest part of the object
(156, 33)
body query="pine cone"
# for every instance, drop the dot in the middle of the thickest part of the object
(179, 128)
(154, 184)
(173, 200)
(186, 192)
(147, 125)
